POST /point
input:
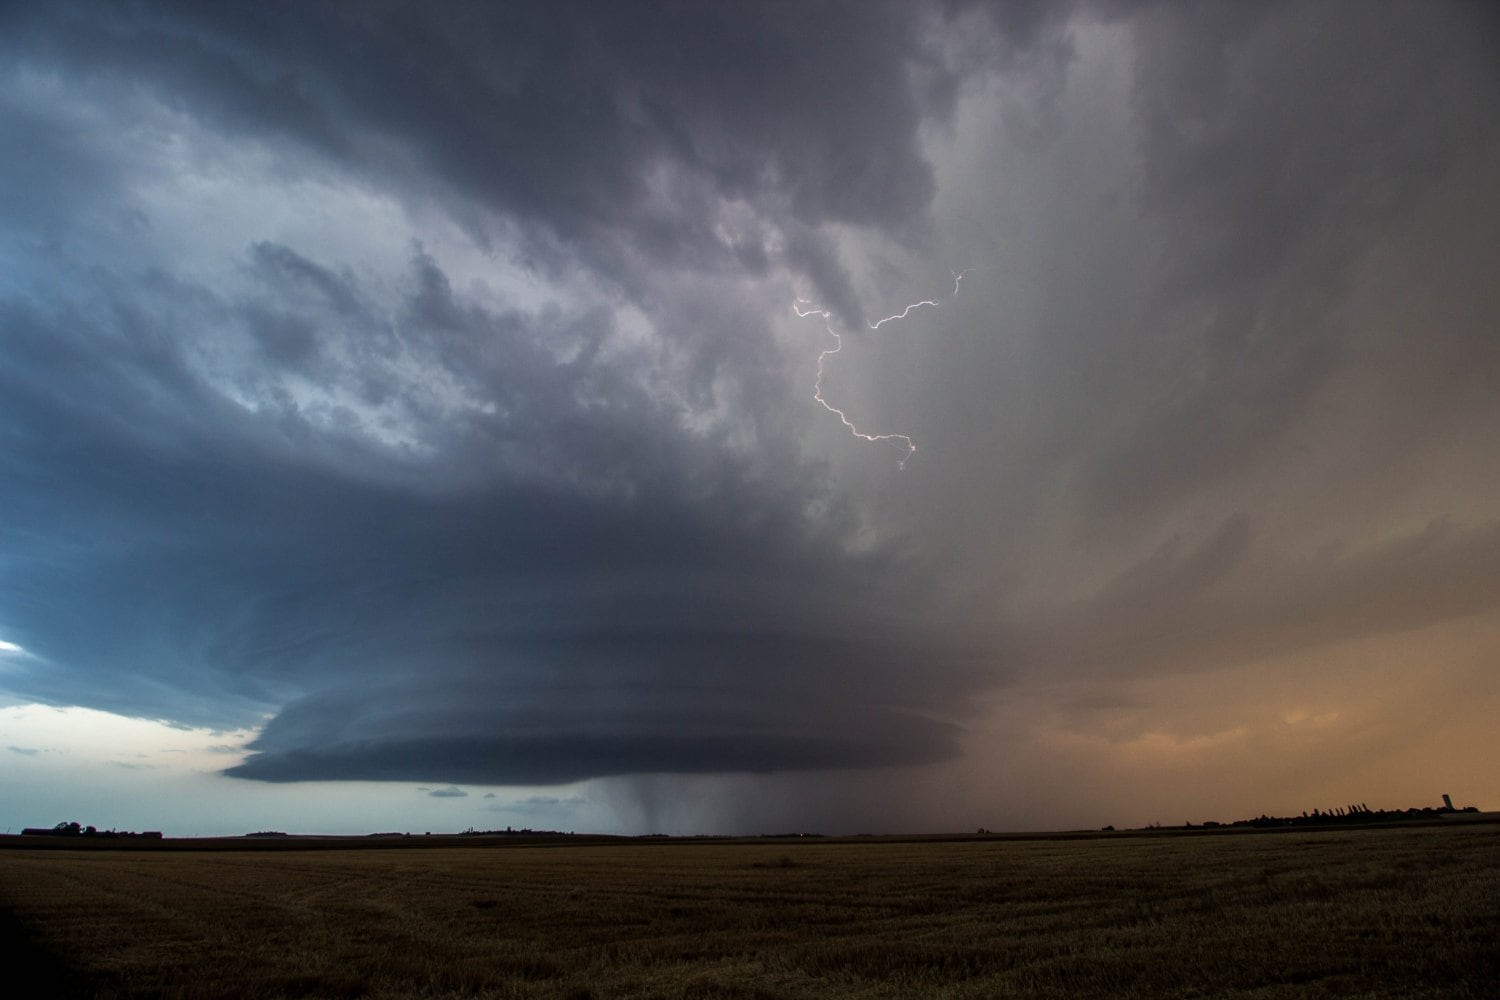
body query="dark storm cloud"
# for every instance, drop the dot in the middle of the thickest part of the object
(1258, 281)
(558, 584)
(442, 527)
(607, 131)
(558, 708)
(1237, 350)
(563, 588)
(1279, 143)
(1218, 603)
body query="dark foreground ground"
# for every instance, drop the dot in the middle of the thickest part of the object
(1378, 913)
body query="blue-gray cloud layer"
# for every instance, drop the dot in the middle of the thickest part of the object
(571, 521)
(524, 569)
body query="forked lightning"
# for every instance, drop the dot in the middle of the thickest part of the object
(838, 345)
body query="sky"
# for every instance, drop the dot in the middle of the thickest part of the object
(845, 417)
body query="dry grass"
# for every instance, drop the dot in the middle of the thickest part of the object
(1386, 913)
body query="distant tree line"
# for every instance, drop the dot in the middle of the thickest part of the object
(70, 829)
(509, 832)
(1353, 813)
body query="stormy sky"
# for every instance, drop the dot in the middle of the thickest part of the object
(448, 415)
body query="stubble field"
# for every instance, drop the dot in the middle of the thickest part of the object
(1385, 913)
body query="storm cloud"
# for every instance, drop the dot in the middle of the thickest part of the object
(419, 386)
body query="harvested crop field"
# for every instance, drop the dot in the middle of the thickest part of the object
(1385, 913)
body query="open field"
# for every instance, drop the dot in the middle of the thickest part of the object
(1386, 912)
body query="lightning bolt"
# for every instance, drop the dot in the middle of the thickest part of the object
(838, 345)
(902, 314)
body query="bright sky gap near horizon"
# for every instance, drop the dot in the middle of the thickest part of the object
(403, 425)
